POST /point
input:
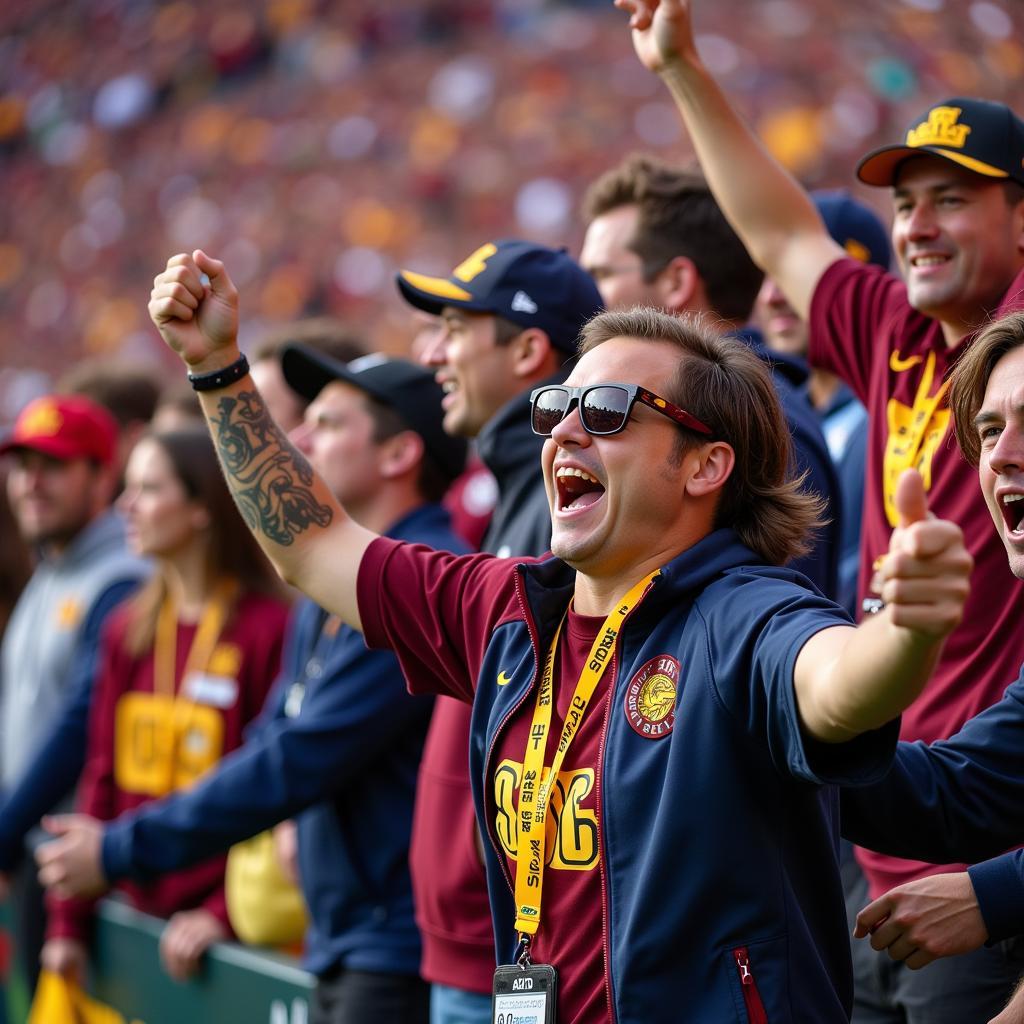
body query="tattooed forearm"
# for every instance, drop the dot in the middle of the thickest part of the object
(270, 480)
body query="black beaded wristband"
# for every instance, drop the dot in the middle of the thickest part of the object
(220, 378)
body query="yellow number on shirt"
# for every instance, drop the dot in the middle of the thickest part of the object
(571, 828)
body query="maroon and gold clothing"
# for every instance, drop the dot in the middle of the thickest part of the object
(571, 912)
(141, 745)
(897, 362)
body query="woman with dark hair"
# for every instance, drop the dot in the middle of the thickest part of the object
(184, 665)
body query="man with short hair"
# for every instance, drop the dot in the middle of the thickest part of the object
(957, 182)
(340, 742)
(60, 485)
(510, 315)
(704, 697)
(844, 420)
(656, 237)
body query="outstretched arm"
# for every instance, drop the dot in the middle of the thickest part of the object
(297, 521)
(767, 208)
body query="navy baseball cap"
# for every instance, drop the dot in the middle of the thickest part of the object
(529, 284)
(856, 227)
(403, 386)
(983, 136)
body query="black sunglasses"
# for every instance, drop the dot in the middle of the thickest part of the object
(604, 408)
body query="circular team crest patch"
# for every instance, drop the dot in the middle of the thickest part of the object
(651, 697)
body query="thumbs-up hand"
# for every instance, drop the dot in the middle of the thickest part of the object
(924, 580)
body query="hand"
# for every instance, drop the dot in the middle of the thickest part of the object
(662, 32)
(925, 578)
(198, 321)
(186, 938)
(286, 850)
(925, 919)
(72, 865)
(1014, 1012)
(66, 957)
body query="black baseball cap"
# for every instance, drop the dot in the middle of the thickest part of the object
(529, 284)
(981, 135)
(403, 386)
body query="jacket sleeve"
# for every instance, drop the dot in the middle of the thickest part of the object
(999, 887)
(960, 799)
(356, 711)
(57, 764)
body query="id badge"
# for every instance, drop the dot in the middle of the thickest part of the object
(524, 994)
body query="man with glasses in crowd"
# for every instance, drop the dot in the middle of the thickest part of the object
(706, 700)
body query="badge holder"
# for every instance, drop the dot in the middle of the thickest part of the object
(525, 992)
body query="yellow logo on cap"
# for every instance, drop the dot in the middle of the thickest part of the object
(41, 419)
(941, 129)
(475, 263)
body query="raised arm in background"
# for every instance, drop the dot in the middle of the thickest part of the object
(768, 209)
(312, 543)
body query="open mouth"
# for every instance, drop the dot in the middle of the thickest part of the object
(1012, 507)
(449, 386)
(576, 489)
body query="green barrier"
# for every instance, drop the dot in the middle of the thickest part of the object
(236, 983)
(13, 997)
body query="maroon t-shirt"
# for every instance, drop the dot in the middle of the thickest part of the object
(570, 936)
(863, 329)
(119, 761)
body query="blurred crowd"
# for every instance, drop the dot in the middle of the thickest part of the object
(319, 146)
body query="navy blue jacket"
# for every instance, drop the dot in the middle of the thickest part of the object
(789, 374)
(959, 799)
(340, 741)
(720, 836)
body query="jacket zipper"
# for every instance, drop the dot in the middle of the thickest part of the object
(751, 996)
(535, 643)
(605, 927)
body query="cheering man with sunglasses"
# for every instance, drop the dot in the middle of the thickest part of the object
(661, 711)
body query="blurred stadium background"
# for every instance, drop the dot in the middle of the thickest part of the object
(318, 146)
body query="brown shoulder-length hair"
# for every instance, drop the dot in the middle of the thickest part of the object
(231, 550)
(969, 379)
(724, 384)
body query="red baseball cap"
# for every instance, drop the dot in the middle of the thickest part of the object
(65, 427)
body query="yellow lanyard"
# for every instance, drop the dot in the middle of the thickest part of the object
(535, 792)
(211, 622)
